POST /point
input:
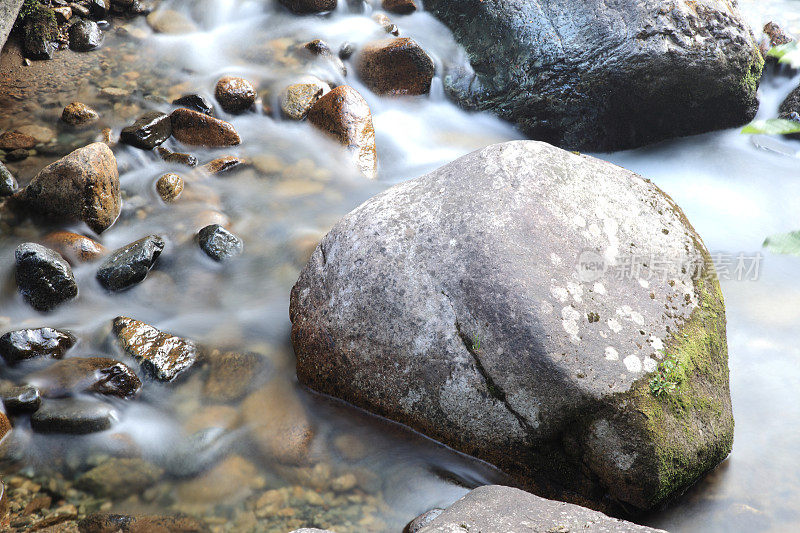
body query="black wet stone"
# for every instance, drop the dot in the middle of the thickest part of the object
(98, 8)
(130, 264)
(8, 184)
(85, 35)
(22, 344)
(195, 102)
(218, 243)
(17, 155)
(73, 416)
(149, 131)
(43, 277)
(20, 399)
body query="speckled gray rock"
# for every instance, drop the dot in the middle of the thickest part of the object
(602, 76)
(8, 14)
(43, 277)
(498, 508)
(463, 304)
(218, 243)
(161, 355)
(8, 183)
(130, 264)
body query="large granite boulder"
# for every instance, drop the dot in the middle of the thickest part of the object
(498, 508)
(598, 75)
(551, 313)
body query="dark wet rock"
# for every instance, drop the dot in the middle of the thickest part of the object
(218, 243)
(161, 355)
(116, 478)
(790, 105)
(169, 187)
(400, 7)
(177, 157)
(307, 7)
(19, 154)
(395, 66)
(83, 185)
(20, 399)
(8, 183)
(344, 115)
(86, 374)
(73, 416)
(198, 129)
(320, 48)
(85, 35)
(642, 72)
(298, 98)
(195, 102)
(43, 277)
(79, 114)
(24, 344)
(39, 34)
(171, 22)
(73, 247)
(498, 508)
(63, 14)
(14, 140)
(235, 95)
(347, 50)
(231, 375)
(222, 164)
(118, 523)
(512, 348)
(98, 8)
(130, 264)
(416, 525)
(149, 131)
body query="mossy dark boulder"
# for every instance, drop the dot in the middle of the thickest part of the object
(518, 304)
(603, 76)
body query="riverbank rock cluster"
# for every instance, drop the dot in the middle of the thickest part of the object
(454, 303)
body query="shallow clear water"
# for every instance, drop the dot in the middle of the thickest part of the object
(299, 184)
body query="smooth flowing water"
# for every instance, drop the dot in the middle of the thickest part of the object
(369, 475)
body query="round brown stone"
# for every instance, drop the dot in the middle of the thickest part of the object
(14, 140)
(235, 95)
(169, 187)
(78, 114)
(396, 66)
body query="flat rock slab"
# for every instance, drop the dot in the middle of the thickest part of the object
(500, 509)
(8, 15)
(73, 416)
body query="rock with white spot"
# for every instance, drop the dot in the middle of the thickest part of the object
(455, 341)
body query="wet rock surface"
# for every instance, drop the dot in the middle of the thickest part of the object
(307, 7)
(198, 129)
(119, 477)
(395, 66)
(73, 247)
(222, 165)
(177, 157)
(107, 522)
(169, 187)
(39, 33)
(14, 140)
(43, 277)
(82, 186)
(24, 344)
(149, 130)
(231, 375)
(161, 355)
(79, 114)
(344, 115)
(400, 7)
(73, 416)
(8, 183)
(218, 243)
(129, 265)
(577, 345)
(235, 95)
(85, 35)
(195, 102)
(20, 399)
(298, 98)
(74, 375)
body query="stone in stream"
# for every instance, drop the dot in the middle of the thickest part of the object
(85, 35)
(117, 478)
(23, 344)
(81, 186)
(73, 416)
(395, 66)
(320, 48)
(38, 35)
(218, 243)
(416, 525)
(63, 14)
(98, 8)
(86, 374)
(130, 264)
(171, 22)
(169, 186)
(73, 247)
(399, 7)
(149, 131)
(112, 523)
(344, 115)
(595, 76)
(308, 7)
(20, 399)
(222, 165)
(498, 508)
(473, 304)
(8, 183)
(19, 154)
(235, 95)
(195, 102)
(177, 157)
(5, 428)
(14, 140)
(198, 129)
(230, 375)
(43, 277)
(78, 114)
(161, 355)
(385, 23)
(298, 98)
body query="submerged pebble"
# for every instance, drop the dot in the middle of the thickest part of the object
(169, 187)
(78, 114)
(73, 416)
(73, 247)
(218, 243)
(86, 374)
